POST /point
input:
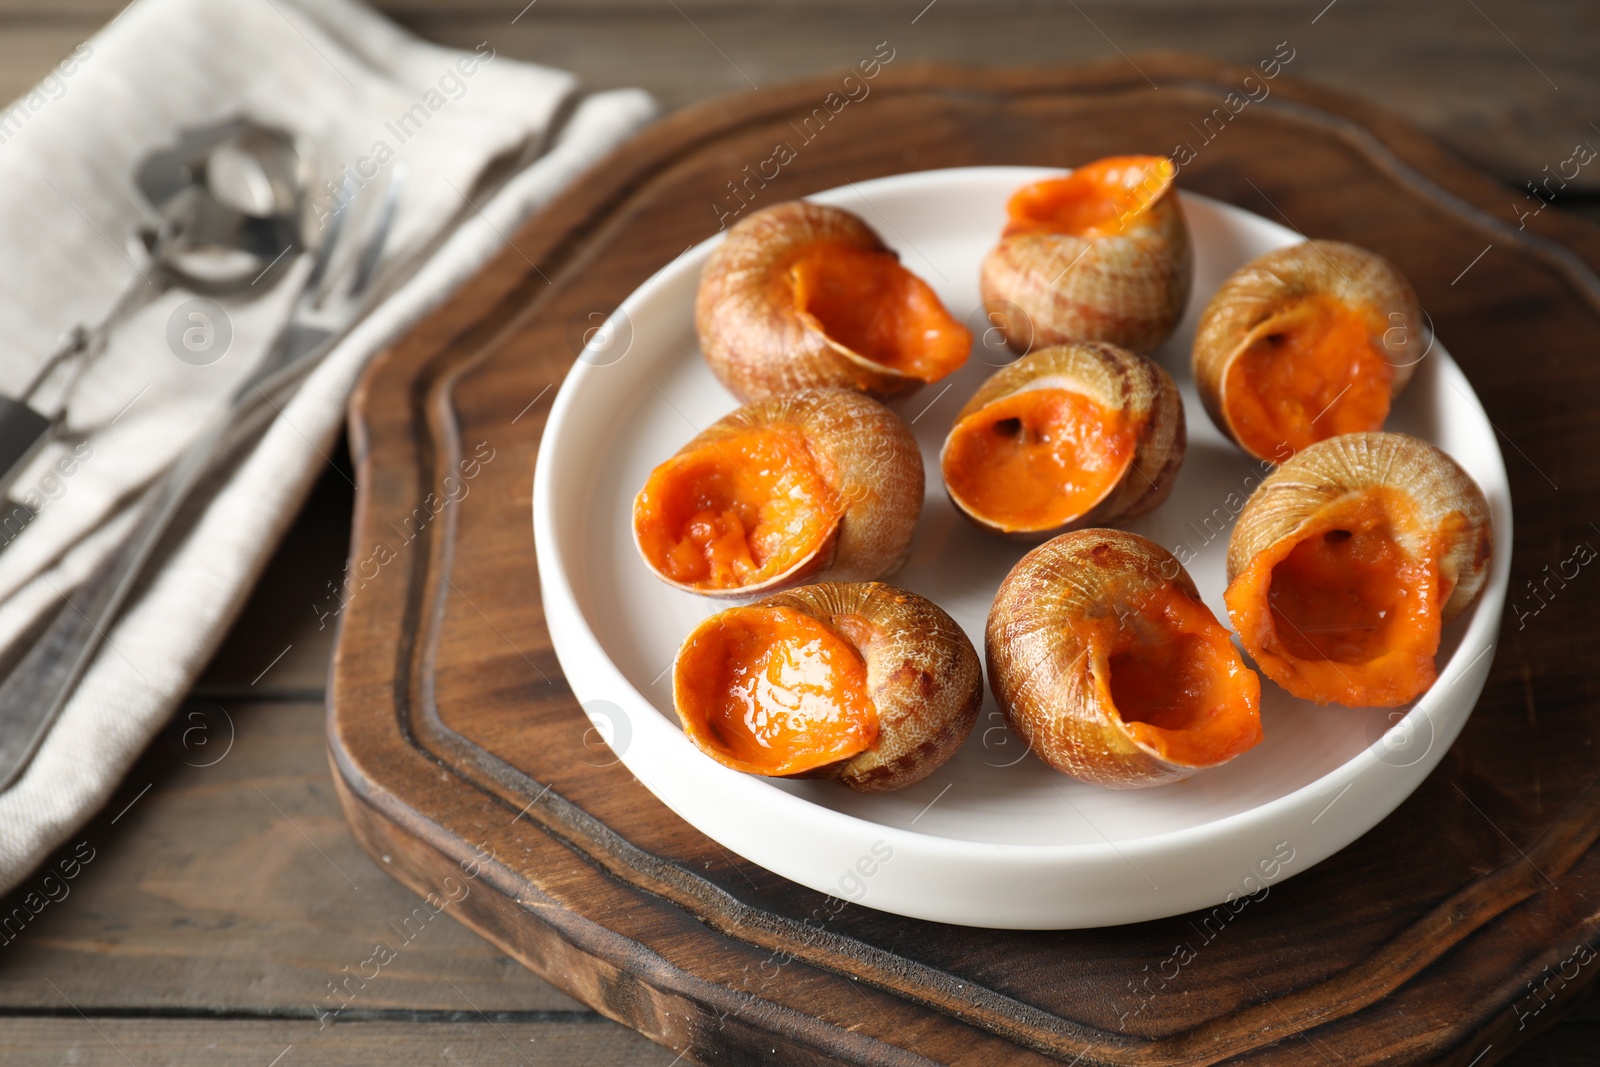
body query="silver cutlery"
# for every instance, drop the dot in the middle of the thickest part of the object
(32, 695)
(230, 200)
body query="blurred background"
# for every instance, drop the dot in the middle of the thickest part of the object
(1507, 85)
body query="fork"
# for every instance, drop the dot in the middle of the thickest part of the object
(32, 695)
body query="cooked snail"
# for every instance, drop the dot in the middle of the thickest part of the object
(782, 491)
(863, 683)
(1348, 559)
(1101, 254)
(1306, 343)
(802, 295)
(1066, 437)
(1107, 663)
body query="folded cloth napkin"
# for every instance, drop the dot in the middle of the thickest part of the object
(371, 99)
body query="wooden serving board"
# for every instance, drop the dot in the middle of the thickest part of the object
(1459, 927)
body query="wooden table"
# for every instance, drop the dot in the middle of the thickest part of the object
(225, 892)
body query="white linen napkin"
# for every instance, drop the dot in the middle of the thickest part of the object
(369, 97)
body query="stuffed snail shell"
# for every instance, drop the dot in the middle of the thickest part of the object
(1305, 343)
(802, 295)
(863, 683)
(1106, 662)
(811, 484)
(1347, 561)
(1101, 254)
(1068, 436)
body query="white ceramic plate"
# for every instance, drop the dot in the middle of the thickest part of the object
(993, 838)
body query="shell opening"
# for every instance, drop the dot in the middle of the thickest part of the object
(736, 512)
(1098, 199)
(1177, 683)
(773, 691)
(865, 304)
(1309, 372)
(1037, 459)
(1348, 609)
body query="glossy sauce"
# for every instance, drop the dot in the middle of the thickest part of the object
(774, 691)
(1098, 199)
(866, 302)
(1310, 372)
(1037, 459)
(1177, 682)
(1343, 613)
(736, 512)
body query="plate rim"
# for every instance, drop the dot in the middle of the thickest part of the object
(578, 640)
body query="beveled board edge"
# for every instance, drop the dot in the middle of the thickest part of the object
(497, 300)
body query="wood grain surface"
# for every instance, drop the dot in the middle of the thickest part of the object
(223, 891)
(458, 747)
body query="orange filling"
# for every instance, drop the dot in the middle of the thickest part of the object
(773, 691)
(867, 303)
(1096, 200)
(1037, 459)
(1343, 614)
(1177, 682)
(736, 512)
(1308, 373)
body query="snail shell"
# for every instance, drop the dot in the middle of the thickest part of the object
(782, 491)
(802, 295)
(1099, 255)
(1348, 559)
(863, 683)
(1106, 662)
(1066, 437)
(1305, 343)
